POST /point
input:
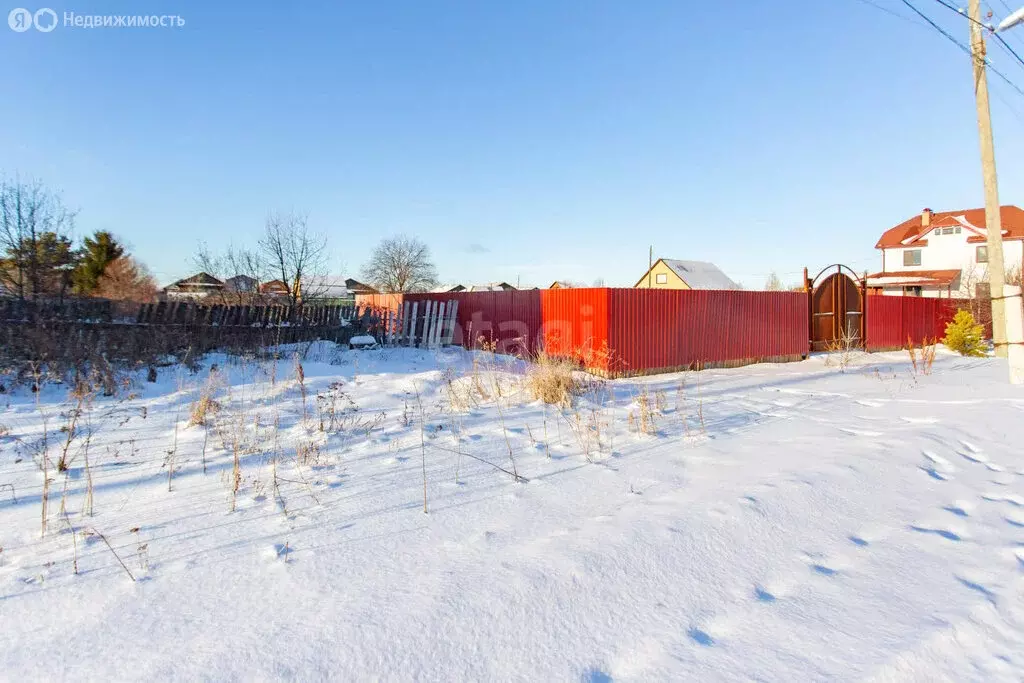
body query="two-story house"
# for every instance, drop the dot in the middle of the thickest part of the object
(944, 254)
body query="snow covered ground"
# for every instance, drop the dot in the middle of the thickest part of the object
(779, 522)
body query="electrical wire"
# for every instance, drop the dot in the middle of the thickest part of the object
(890, 12)
(960, 45)
(985, 26)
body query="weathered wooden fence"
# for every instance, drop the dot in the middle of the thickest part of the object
(71, 331)
(427, 325)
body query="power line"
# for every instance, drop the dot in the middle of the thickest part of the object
(960, 45)
(890, 12)
(938, 28)
(1006, 45)
(959, 11)
(985, 26)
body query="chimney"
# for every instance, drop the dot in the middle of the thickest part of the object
(926, 218)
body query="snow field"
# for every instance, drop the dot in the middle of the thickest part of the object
(775, 522)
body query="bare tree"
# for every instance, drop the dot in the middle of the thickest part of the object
(239, 263)
(401, 264)
(294, 255)
(35, 246)
(125, 279)
(974, 287)
(774, 283)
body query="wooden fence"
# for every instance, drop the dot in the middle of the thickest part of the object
(73, 330)
(189, 313)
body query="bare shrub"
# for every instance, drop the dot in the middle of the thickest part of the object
(840, 351)
(206, 405)
(202, 410)
(552, 380)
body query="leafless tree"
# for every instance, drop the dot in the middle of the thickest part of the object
(774, 283)
(232, 263)
(288, 252)
(34, 238)
(401, 264)
(294, 255)
(125, 279)
(974, 287)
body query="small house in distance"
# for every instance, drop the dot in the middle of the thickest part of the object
(449, 289)
(676, 274)
(487, 287)
(198, 286)
(241, 284)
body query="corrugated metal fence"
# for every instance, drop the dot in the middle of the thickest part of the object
(658, 330)
(894, 321)
(638, 331)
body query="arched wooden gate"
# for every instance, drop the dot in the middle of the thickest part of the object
(837, 309)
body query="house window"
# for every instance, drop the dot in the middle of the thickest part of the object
(661, 278)
(981, 254)
(956, 230)
(912, 257)
(912, 291)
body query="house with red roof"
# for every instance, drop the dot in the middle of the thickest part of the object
(944, 254)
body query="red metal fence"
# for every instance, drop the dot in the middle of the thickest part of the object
(894, 321)
(658, 330)
(637, 331)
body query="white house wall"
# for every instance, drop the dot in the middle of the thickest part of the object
(950, 252)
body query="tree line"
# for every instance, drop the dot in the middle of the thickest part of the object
(39, 258)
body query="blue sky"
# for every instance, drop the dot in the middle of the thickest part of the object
(527, 140)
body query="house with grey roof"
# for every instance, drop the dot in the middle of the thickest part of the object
(677, 274)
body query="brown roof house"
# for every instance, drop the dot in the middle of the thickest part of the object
(198, 286)
(944, 254)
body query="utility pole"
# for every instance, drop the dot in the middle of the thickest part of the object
(650, 264)
(993, 221)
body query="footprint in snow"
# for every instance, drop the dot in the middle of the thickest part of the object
(976, 456)
(700, 637)
(868, 403)
(947, 534)
(1014, 519)
(937, 467)
(970, 446)
(1015, 501)
(860, 432)
(958, 508)
(595, 676)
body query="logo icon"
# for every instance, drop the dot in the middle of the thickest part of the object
(45, 20)
(20, 19)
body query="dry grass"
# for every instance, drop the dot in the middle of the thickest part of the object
(203, 409)
(642, 421)
(553, 380)
(922, 359)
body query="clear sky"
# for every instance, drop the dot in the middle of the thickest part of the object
(531, 140)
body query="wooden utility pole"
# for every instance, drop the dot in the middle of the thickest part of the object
(993, 222)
